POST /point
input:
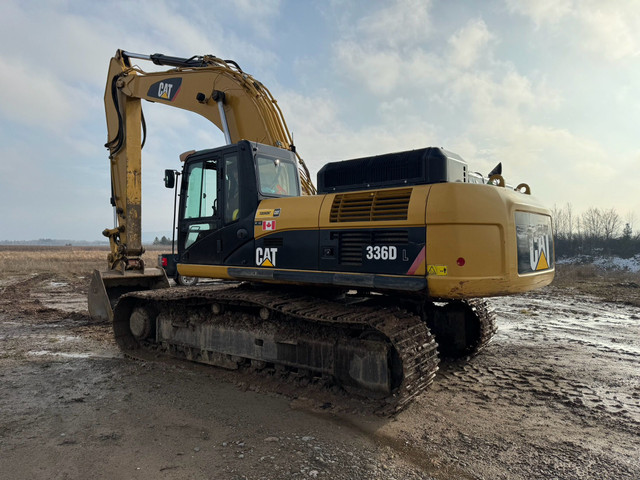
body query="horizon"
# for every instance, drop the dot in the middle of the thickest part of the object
(551, 89)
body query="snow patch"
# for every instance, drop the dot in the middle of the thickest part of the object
(41, 353)
(616, 263)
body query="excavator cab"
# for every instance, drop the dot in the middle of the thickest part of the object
(219, 195)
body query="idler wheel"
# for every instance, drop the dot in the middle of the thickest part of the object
(140, 323)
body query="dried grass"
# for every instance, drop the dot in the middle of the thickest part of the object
(613, 285)
(572, 274)
(73, 260)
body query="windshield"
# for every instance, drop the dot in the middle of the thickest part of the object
(277, 177)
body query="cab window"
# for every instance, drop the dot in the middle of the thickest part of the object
(277, 177)
(202, 190)
(201, 200)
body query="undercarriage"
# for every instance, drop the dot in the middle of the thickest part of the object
(372, 346)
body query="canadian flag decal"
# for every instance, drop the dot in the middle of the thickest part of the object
(268, 225)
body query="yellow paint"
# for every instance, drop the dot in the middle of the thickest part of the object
(266, 263)
(204, 271)
(476, 223)
(296, 213)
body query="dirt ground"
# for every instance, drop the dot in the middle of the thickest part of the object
(555, 395)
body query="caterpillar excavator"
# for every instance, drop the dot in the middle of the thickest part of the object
(363, 283)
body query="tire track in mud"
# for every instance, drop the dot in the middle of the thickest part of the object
(576, 352)
(504, 384)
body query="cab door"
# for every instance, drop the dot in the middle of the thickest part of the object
(218, 206)
(200, 213)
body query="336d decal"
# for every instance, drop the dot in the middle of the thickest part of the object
(381, 252)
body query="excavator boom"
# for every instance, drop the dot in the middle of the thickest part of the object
(239, 105)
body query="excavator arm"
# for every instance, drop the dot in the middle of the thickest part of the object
(217, 89)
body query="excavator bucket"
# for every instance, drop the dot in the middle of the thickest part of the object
(107, 287)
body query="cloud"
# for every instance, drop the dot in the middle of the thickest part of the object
(469, 43)
(404, 24)
(612, 29)
(609, 29)
(379, 71)
(41, 100)
(475, 103)
(499, 98)
(378, 77)
(456, 83)
(258, 14)
(376, 48)
(563, 167)
(542, 11)
(48, 38)
(53, 64)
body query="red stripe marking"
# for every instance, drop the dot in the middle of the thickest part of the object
(416, 263)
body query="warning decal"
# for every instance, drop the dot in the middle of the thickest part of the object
(440, 270)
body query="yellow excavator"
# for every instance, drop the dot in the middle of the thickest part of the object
(363, 283)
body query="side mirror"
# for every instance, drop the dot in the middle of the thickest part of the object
(169, 178)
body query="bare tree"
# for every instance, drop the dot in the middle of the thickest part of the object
(592, 223)
(630, 219)
(563, 221)
(559, 219)
(610, 223)
(569, 221)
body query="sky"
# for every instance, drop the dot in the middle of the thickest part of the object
(550, 88)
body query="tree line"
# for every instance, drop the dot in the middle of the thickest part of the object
(162, 241)
(594, 232)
